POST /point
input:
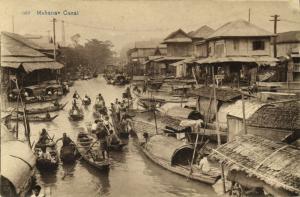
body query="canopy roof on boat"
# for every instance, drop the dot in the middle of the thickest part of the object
(169, 149)
(17, 161)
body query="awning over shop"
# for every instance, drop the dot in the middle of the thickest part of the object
(184, 61)
(259, 60)
(169, 58)
(29, 67)
(15, 53)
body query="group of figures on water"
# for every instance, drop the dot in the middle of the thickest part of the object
(93, 145)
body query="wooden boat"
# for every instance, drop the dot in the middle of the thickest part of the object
(150, 103)
(176, 158)
(41, 99)
(44, 109)
(76, 116)
(88, 153)
(46, 163)
(68, 153)
(34, 118)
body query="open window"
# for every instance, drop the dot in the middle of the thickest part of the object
(258, 45)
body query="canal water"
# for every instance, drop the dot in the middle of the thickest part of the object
(131, 173)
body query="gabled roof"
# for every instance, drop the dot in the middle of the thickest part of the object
(288, 37)
(239, 28)
(203, 32)
(178, 36)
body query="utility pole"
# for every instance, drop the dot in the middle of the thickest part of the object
(13, 24)
(54, 41)
(63, 37)
(249, 15)
(275, 19)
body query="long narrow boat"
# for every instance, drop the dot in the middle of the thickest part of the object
(46, 163)
(84, 143)
(34, 118)
(44, 109)
(76, 116)
(176, 157)
(40, 99)
(68, 153)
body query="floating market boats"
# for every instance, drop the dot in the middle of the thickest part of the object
(88, 152)
(76, 114)
(34, 118)
(44, 109)
(40, 99)
(176, 157)
(47, 155)
(68, 153)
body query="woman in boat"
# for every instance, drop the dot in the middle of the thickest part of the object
(44, 137)
(65, 139)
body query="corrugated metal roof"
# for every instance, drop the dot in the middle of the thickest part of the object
(14, 54)
(236, 109)
(185, 61)
(257, 59)
(202, 32)
(288, 37)
(240, 28)
(177, 36)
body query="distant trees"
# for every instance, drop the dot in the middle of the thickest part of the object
(93, 55)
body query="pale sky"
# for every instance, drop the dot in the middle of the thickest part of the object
(127, 21)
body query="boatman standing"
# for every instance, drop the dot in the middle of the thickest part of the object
(102, 137)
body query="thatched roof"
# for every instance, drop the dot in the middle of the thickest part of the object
(177, 36)
(275, 163)
(222, 94)
(239, 28)
(277, 116)
(203, 32)
(288, 37)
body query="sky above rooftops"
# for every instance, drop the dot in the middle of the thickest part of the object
(128, 21)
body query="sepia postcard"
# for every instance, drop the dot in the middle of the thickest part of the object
(165, 98)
